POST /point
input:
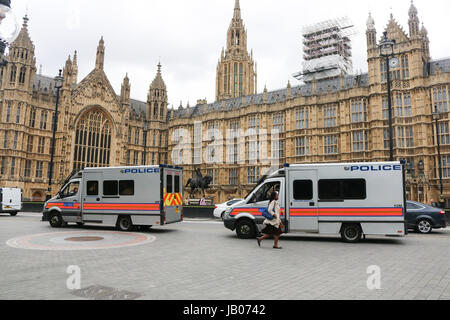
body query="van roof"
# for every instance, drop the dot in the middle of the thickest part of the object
(343, 164)
(119, 168)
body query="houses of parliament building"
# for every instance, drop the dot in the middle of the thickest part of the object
(342, 119)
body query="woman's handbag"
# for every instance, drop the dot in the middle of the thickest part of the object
(267, 215)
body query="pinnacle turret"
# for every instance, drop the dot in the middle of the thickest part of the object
(100, 61)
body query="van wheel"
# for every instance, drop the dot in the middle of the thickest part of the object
(351, 233)
(124, 224)
(13, 214)
(246, 229)
(424, 226)
(56, 220)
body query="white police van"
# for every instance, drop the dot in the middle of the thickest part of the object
(119, 196)
(10, 200)
(352, 200)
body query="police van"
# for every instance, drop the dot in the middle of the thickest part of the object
(10, 200)
(350, 200)
(123, 197)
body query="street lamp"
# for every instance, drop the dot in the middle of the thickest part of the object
(387, 51)
(58, 85)
(436, 117)
(9, 29)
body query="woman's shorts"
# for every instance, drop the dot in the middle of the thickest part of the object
(271, 230)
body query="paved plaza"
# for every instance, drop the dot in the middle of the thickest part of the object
(201, 260)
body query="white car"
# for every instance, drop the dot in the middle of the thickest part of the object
(220, 209)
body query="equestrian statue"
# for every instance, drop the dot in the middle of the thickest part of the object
(199, 182)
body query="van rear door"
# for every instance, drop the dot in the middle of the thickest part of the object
(302, 203)
(172, 195)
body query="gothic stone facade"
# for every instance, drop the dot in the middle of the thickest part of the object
(336, 120)
(95, 126)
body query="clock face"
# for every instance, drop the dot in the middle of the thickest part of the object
(394, 62)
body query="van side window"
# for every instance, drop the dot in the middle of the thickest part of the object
(177, 184)
(126, 188)
(110, 188)
(343, 189)
(92, 188)
(303, 190)
(169, 184)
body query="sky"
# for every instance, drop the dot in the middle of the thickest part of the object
(187, 37)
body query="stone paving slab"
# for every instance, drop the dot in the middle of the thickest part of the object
(201, 260)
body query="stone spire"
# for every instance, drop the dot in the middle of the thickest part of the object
(75, 68)
(237, 34)
(125, 91)
(100, 61)
(370, 22)
(236, 76)
(23, 40)
(237, 10)
(413, 21)
(22, 68)
(371, 32)
(157, 98)
(158, 82)
(68, 73)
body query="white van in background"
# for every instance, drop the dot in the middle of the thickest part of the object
(349, 199)
(11, 200)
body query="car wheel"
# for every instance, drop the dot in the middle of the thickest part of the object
(124, 224)
(13, 214)
(424, 226)
(351, 233)
(56, 220)
(246, 229)
(80, 224)
(223, 216)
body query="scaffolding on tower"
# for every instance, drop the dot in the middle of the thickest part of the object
(327, 50)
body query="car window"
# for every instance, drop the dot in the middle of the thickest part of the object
(412, 206)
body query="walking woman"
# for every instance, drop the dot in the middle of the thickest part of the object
(273, 227)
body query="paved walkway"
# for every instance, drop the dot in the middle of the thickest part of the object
(203, 260)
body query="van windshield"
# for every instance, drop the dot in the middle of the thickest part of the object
(264, 193)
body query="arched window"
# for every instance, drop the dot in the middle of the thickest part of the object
(93, 141)
(22, 75)
(241, 75)
(13, 75)
(235, 80)
(18, 114)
